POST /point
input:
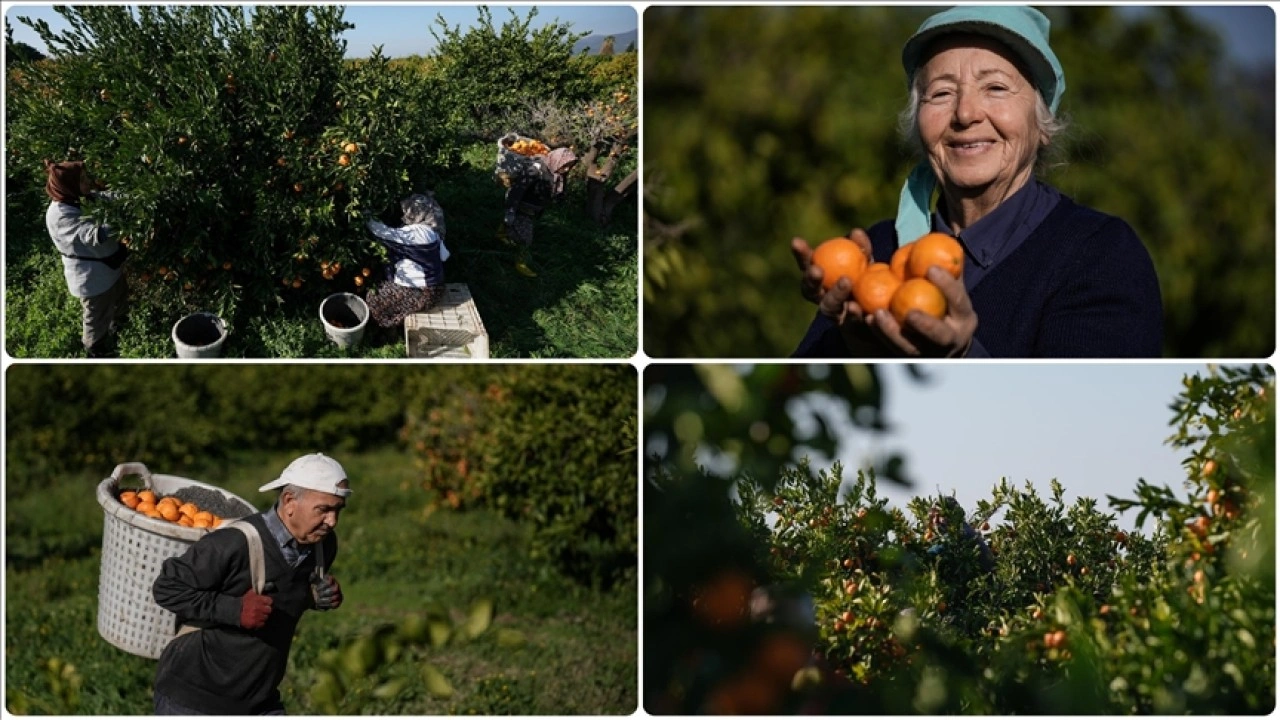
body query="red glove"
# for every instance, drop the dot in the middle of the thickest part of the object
(254, 609)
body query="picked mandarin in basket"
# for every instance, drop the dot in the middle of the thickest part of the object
(189, 509)
(168, 511)
(146, 506)
(184, 521)
(215, 522)
(153, 513)
(204, 515)
(147, 496)
(129, 499)
(839, 257)
(199, 523)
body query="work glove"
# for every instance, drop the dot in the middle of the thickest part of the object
(326, 592)
(254, 610)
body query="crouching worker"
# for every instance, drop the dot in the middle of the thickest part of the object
(91, 256)
(239, 592)
(415, 274)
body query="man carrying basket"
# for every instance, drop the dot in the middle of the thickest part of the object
(233, 638)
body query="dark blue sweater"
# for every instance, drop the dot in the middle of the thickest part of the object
(1081, 286)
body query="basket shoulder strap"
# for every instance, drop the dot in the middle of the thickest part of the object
(257, 564)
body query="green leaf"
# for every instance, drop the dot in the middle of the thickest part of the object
(478, 618)
(440, 631)
(389, 689)
(437, 684)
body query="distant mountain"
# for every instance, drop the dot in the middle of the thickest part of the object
(621, 41)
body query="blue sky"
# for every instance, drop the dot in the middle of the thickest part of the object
(1097, 428)
(405, 29)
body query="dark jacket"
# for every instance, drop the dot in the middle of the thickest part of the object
(224, 669)
(1081, 286)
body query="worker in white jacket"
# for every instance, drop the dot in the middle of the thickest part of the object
(415, 273)
(91, 256)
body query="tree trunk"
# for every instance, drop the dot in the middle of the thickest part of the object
(601, 199)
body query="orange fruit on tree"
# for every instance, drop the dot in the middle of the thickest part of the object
(839, 257)
(350, 147)
(935, 249)
(129, 499)
(898, 263)
(344, 160)
(917, 294)
(875, 288)
(359, 281)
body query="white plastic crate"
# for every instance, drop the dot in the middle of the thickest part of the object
(451, 329)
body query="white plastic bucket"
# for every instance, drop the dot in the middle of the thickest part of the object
(199, 335)
(344, 316)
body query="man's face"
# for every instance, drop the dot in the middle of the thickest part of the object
(310, 515)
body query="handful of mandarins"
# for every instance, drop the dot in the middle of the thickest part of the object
(169, 508)
(898, 286)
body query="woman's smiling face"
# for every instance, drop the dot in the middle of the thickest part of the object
(977, 118)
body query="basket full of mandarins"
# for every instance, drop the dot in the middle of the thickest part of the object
(142, 528)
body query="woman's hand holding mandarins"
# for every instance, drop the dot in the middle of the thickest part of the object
(924, 335)
(836, 299)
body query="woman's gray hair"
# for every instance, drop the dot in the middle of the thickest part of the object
(1050, 126)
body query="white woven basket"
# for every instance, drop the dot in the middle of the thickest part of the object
(133, 548)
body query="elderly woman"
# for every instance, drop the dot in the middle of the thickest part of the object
(91, 256)
(415, 271)
(529, 193)
(1043, 276)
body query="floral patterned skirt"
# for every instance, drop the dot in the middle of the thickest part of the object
(390, 303)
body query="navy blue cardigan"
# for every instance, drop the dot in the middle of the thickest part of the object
(1081, 286)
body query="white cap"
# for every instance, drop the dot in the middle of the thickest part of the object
(313, 472)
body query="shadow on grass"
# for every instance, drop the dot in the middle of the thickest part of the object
(582, 301)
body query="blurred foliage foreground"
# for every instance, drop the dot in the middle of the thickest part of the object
(762, 124)
(803, 593)
(553, 446)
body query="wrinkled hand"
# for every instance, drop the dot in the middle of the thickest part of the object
(326, 592)
(254, 610)
(922, 335)
(832, 303)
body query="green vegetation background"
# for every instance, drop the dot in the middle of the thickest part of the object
(762, 124)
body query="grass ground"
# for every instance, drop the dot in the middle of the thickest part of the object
(579, 649)
(583, 302)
